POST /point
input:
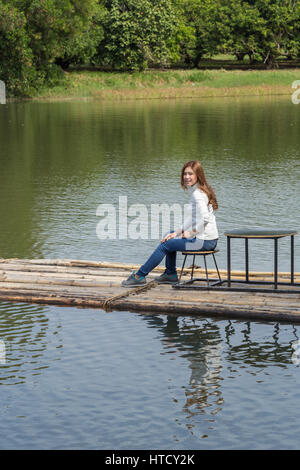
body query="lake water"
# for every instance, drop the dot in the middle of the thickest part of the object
(85, 379)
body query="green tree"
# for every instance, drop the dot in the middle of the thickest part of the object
(211, 30)
(52, 22)
(82, 47)
(182, 44)
(16, 64)
(137, 34)
(245, 28)
(34, 34)
(281, 34)
(263, 29)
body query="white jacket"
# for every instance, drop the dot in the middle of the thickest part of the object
(200, 216)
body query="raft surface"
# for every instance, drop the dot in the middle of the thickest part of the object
(98, 284)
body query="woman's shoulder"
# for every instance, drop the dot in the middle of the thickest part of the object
(200, 195)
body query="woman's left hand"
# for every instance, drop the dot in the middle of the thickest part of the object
(169, 237)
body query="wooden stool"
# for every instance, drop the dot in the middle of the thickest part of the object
(204, 254)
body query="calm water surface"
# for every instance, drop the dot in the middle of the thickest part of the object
(81, 378)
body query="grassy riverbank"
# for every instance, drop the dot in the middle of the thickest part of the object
(171, 84)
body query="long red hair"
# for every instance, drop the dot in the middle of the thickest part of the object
(201, 180)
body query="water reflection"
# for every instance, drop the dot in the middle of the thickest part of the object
(258, 354)
(25, 340)
(218, 350)
(200, 343)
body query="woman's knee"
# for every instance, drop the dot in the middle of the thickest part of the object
(174, 244)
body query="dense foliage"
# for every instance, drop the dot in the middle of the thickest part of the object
(40, 37)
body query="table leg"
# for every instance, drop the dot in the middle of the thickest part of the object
(275, 262)
(247, 259)
(292, 259)
(228, 262)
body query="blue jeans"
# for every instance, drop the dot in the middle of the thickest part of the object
(169, 249)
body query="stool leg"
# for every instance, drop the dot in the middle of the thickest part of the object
(206, 270)
(182, 267)
(217, 268)
(193, 267)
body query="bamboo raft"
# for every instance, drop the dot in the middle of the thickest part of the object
(95, 284)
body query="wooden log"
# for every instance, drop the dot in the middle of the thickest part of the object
(73, 291)
(61, 269)
(224, 311)
(30, 274)
(58, 278)
(101, 264)
(141, 305)
(52, 300)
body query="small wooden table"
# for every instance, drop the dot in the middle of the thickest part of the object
(261, 234)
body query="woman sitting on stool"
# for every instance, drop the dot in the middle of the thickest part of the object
(199, 232)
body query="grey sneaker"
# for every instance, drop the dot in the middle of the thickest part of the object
(167, 278)
(132, 281)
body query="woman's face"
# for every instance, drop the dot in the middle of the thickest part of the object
(189, 177)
